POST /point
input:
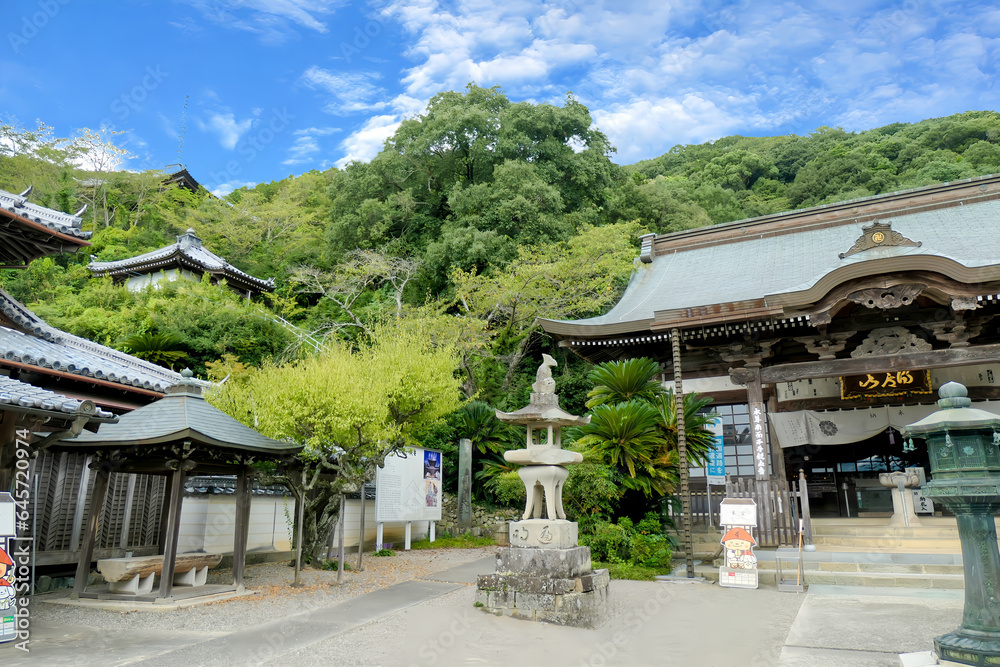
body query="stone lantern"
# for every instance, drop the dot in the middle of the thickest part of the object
(963, 444)
(544, 575)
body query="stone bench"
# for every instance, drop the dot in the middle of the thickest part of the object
(134, 576)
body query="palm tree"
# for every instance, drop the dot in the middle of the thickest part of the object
(629, 437)
(699, 440)
(158, 347)
(620, 381)
(634, 425)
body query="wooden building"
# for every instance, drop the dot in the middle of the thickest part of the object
(820, 332)
(55, 385)
(187, 259)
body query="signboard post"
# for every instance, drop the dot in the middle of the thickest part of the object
(738, 517)
(8, 586)
(715, 472)
(409, 489)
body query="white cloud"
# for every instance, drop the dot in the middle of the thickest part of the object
(274, 21)
(223, 189)
(655, 74)
(226, 126)
(353, 92)
(307, 146)
(365, 143)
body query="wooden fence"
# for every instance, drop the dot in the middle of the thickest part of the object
(780, 506)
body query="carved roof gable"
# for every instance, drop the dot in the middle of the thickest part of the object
(879, 235)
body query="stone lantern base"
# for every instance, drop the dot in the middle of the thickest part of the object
(958, 647)
(550, 585)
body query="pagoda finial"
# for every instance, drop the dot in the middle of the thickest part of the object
(544, 384)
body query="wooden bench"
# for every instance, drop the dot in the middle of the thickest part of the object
(134, 576)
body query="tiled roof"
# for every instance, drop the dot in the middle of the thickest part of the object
(57, 221)
(49, 348)
(183, 414)
(18, 395)
(189, 248)
(758, 260)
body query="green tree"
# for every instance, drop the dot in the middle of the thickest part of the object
(634, 425)
(350, 409)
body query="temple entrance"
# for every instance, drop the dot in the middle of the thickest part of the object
(843, 479)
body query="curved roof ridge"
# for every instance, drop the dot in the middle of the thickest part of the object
(56, 221)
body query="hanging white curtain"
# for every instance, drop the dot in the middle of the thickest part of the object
(841, 427)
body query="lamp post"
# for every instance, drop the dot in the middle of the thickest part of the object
(963, 445)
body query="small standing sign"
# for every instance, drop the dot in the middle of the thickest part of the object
(738, 517)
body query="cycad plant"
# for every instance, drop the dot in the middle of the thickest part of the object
(157, 347)
(633, 425)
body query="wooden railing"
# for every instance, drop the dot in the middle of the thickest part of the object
(780, 506)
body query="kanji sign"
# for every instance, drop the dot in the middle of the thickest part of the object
(716, 471)
(891, 383)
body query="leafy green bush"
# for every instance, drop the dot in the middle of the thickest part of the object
(626, 543)
(384, 552)
(331, 564)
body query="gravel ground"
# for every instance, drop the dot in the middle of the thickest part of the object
(274, 598)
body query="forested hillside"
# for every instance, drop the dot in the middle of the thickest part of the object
(477, 217)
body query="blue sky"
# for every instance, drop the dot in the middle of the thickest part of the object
(279, 87)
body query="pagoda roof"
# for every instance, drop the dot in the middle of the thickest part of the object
(188, 252)
(183, 415)
(29, 231)
(777, 265)
(32, 344)
(543, 410)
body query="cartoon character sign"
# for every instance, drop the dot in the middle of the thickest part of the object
(7, 591)
(739, 545)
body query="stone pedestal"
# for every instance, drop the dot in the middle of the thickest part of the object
(902, 502)
(544, 534)
(549, 585)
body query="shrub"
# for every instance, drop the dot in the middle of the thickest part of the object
(626, 543)
(331, 564)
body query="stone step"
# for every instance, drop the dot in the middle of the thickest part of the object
(877, 531)
(885, 543)
(873, 579)
(886, 579)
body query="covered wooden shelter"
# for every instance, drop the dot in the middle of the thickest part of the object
(176, 435)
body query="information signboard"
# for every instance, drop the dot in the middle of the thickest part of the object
(408, 488)
(8, 586)
(716, 470)
(738, 517)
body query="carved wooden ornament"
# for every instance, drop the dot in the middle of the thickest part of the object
(878, 235)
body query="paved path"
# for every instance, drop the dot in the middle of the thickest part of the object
(432, 621)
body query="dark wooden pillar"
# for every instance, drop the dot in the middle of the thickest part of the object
(101, 477)
(675, 342)
(244, 482)
(161, 540)
(758, 421)
(175, 487)
(8, 445)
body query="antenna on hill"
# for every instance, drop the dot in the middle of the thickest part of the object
(181, 132)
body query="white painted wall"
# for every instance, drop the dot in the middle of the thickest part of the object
(139, 283)
(208, 524)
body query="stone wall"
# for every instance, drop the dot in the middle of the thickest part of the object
(484, 520)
